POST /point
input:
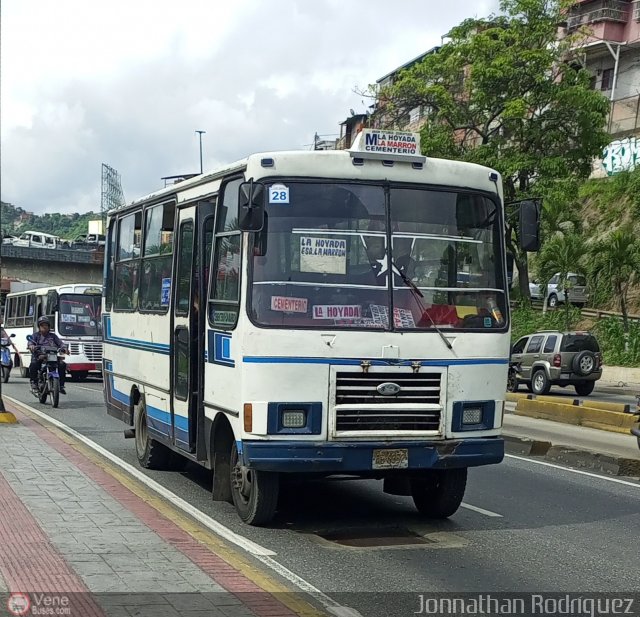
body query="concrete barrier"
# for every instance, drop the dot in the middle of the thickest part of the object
(621, 376)
(604, 419)
(6, 417)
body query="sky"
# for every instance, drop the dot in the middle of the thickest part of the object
(128, 82)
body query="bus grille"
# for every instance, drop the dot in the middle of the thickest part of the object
(93, 351)
(386, 413)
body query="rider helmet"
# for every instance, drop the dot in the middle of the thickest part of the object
(44, 320)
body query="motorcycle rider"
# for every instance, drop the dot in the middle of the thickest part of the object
(4, 334)
(45, 338)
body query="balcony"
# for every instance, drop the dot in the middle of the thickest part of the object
(604, 10)
(636, 10)
(624, 116)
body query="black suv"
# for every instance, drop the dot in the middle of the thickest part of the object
(552, 358)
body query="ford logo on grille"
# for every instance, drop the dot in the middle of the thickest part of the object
(388, 389)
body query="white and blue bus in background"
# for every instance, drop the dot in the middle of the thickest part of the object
(315, 313)
(74, 312)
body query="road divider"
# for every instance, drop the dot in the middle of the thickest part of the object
(603, 418)
(572, 456)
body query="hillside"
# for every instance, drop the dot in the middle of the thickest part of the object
(15, 220)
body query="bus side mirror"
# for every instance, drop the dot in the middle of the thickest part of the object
(529, 226)
(251, 206)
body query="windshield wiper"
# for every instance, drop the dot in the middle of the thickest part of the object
(417, 294)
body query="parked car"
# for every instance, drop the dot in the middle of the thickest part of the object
(578, 291)
(552, 358)
(38, 239)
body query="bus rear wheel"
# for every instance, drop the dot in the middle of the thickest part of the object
(254, 493)
(79, 375)
(438, 493)
(150, 453)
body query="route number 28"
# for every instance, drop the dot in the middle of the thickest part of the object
(279, 194)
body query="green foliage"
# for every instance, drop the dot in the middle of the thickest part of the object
(610, 334)
(503, 93)
(615, 264)
(526, 320)
(66, 226)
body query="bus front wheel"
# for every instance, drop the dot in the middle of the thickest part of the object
(438, 493)
(254, 493)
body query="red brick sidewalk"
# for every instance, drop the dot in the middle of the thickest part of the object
(35, 559)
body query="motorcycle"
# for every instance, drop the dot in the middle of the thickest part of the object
(515, 369)
(48, 382)
(635, 430)
(5, 357)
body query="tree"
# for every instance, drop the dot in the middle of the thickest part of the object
(562, 253)
(615, 261)
(503, 92)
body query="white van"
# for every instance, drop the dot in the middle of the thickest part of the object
(37, 239)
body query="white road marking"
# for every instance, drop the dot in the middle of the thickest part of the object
(89, 389)
(468, 506)
(578, 471)
(259, 552)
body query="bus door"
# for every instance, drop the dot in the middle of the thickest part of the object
(194, 232)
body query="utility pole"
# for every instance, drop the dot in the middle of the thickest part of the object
(200, 135)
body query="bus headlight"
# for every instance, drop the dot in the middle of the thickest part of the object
(294, 418)
(472, 415)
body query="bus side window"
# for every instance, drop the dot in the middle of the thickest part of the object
(155, 284)
(224, 301)
(10, 313)
(128, 263)
(109, 263)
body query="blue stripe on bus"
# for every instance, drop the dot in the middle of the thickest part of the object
(160, 348)
(164, 417)
(374, 362)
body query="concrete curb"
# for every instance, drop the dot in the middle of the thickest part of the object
(610, 417)
(572, 456)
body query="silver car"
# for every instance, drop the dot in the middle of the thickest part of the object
(553, 358)
(556, 292)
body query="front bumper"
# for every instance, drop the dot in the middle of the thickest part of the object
(356, 457)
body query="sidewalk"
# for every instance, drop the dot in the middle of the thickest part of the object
(71, 530)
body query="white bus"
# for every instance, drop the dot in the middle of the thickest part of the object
(75, 314)
(247, 323)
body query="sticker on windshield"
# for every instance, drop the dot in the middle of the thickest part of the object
(337, 311)
(487, 322)
(77, 310)
(323, 255)
(65, 318)
(84, 319)
(279, 194)
(288, 305)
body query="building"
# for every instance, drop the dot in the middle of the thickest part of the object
(411, 119)
(349, 129)
(610, 50)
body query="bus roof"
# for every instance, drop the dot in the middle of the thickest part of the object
(61, 289)
(339, 164)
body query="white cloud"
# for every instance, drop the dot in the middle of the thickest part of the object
(128, 83)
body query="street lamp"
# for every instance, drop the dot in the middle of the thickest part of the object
(200, 135)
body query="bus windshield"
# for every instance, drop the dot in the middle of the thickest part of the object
(324, 259)
(79, 315)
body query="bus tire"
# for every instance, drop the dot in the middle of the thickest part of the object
(151, 454)
(255, 493)
(24, 371)
(439, 493)
(79, 375)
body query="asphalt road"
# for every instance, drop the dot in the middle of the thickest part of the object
(525, 526)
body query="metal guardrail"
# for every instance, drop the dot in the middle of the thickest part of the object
(56, 255)
(585, 312)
